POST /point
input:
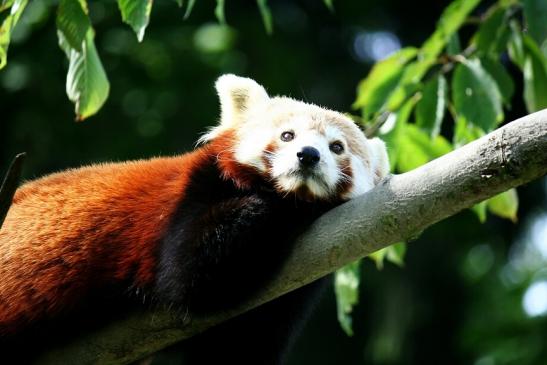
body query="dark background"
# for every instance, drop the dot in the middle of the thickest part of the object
(459, 298)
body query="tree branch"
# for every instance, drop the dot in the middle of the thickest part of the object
(9, 185)
(398, 209)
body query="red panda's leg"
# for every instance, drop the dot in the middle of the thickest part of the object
(215, 257)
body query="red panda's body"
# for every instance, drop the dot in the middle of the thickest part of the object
(70, 230)
(195, 233)
(42, 270)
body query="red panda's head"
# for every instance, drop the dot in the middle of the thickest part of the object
(301, 148)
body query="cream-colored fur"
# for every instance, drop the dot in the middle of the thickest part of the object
(259, 120)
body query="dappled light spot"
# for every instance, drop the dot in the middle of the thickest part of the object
(375, 46)
(135, 102)
(479, 261)
(150, 124)
(534, 301)
(213, 38)
(15, 77)
(538, 233)
(485, 360)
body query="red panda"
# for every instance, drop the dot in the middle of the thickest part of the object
(195, 232)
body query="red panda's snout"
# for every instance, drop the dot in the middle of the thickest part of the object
(303, 164)
(308, 158)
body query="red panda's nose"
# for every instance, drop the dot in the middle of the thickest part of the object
(308, 156)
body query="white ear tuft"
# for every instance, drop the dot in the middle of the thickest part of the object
(237, 96)
(379, 160)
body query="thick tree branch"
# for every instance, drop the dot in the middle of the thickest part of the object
(398, 209)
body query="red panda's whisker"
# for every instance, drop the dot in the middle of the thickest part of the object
(345, 176)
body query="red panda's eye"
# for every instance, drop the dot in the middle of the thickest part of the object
(287, 136)
(337, 147)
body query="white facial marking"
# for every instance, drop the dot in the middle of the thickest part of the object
(333, 134)
(251, 150)
(363, 179)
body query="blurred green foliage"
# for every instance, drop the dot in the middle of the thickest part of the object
(461, 297)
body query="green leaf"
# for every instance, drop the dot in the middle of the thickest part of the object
(431, 107)
(6, 4)
(396, 253)
(476, 95)
(329, 4)
(86, 85)
(515, 45)
(346, 288)
(378, 257)
(408, 146)
(535, 85)
(465, 132)
(535, 15)
(480, 211)
(180, 3)
(416, 148)
(266, 15)
(453, 47)
(392, 129)
(492, 34)
(189, 8)
(17, 8)
(73, 21)
(374, 90)
(434, 147)
(450, 21)
(136, 13)
(504, 81)
(219, 12)
(505, 205)
(535, 76)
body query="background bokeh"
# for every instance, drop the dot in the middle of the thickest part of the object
(469, 293)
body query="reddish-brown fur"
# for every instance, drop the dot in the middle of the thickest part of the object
(345, 184)
(75, 230)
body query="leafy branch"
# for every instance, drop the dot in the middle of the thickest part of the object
(404, 98)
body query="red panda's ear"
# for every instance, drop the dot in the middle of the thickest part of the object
(379, 160)
(237, 96)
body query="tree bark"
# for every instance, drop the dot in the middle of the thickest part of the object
(398, 209)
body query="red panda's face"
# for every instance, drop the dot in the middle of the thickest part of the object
(310, 160)
(302, 149)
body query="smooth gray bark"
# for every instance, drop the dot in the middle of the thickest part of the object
(398, 209)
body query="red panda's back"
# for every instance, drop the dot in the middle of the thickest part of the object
(73, 230)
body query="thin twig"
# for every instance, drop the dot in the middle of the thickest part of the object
(9, 185)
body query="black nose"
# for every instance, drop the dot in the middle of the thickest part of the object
(309, 156)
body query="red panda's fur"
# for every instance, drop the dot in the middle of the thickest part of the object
(77, 229)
